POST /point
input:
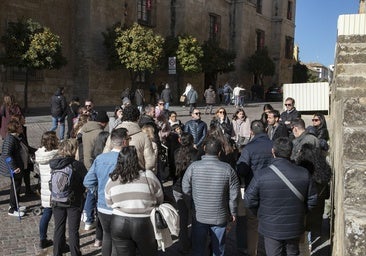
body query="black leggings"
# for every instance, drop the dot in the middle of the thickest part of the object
(129, 234)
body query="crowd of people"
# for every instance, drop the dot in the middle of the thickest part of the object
(265, 175)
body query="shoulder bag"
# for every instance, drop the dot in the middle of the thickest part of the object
(160, 223)
(287, 182)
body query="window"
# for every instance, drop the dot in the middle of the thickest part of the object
(260, 39)
(289, 10)
(18, 74)
(146, 12)
(259, 6)
(289, 50)
(214, 27)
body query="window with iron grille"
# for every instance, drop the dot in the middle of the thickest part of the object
(260, 39)
(146, 12)
(289, 50)
(18, 74)
(259, 6)
(214, 27)
(289, 10)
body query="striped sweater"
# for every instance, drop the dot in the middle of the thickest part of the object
(134, 199)
(214, 188)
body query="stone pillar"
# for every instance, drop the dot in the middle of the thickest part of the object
(348, 142)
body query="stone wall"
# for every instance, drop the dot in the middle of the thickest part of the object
(348, 114)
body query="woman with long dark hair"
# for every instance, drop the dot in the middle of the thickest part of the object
(132, 193)
(222, 121)
(183, 157)
(320, 130)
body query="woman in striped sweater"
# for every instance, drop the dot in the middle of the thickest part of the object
(132, 194)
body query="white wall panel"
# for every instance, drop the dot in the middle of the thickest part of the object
(308, 96)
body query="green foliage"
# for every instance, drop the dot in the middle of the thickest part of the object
(217, 60)
(28, 44)
(260, 64)
(138, 49)
(189, 54)
(300, 73)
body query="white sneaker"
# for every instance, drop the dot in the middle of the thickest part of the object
(83, 217)
(16, 214)
(21, 208)
(89, 226)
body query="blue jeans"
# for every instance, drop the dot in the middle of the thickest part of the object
(166, 105)
(55, 122)
(199, 238)
(89, 206)
(43, 223)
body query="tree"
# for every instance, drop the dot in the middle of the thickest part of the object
(300, 73)
(189, 54)
(261, 65)
(216, 60)
(138, 49)
(29, 45)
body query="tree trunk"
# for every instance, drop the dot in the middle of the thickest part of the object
(26, 90)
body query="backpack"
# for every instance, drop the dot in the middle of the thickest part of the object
(60, 185)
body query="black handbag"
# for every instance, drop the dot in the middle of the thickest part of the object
(160, 223)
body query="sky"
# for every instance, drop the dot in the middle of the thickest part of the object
(316, 27)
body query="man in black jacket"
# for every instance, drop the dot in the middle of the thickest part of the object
(197, 128)
(275, 128)
(59, 111)
(281, 210)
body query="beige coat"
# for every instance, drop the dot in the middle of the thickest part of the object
(142, 143)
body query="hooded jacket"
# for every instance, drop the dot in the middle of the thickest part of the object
(43, 159)
(90, 132)
(79, 172)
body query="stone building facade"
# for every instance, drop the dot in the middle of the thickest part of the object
(348, 115)
(242, 26)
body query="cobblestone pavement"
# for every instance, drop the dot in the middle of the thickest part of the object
(22, 237)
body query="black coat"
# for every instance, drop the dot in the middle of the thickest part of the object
(11, 148)
(58, 105)
(280, 212)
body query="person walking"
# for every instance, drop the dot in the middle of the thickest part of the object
(192, 98)
(214, 187)
(166, 96)
(268, 195)
(59, 111)
(210, 98)
(43, 156)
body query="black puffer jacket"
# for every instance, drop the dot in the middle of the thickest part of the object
(58, 105)
(280, 213)
(11, 148)
(198, 129)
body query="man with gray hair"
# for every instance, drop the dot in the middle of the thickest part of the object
(98, 175)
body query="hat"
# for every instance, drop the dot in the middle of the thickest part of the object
(102, 117)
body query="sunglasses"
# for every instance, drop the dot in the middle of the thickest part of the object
(288, 104)
(222, 112)
(197, 113)
(88, 106)
(315, 120)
